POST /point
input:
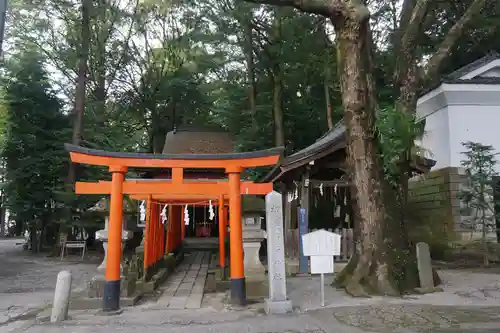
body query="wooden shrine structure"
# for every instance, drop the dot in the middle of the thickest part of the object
(321, 167)
(175, 189)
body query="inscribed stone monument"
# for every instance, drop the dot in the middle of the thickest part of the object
(424, 266)
(277, 301)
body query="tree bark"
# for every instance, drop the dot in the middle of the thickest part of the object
(278, 106)
(456, 31)
(252, 89)
(408, 77)
(80, 84)
(277, 78)
(100, 71)
(369, 271)
(326, 84)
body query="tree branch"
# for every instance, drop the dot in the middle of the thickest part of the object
(414, 23)
(434, 63)
(321, 7)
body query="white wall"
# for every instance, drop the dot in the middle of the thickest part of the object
(476, 123)
(457, 113)
(436, 139)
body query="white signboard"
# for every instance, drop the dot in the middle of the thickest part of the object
(321, 243)
(321, 246)
(321, 264)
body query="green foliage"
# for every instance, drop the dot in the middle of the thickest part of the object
(479, 164)
(477, 196)
(396, 133)
(34, 157)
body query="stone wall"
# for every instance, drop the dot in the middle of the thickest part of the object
(433, 197)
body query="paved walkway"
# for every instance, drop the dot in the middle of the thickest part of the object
(184, 288)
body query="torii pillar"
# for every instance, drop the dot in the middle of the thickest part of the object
(238, 288)
(111, 297)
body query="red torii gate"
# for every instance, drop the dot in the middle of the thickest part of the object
(174, 190)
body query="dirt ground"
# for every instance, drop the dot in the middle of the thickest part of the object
(28, 281)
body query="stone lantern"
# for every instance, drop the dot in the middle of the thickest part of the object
(253, 235)
(102, 206)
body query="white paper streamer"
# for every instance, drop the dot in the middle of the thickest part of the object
(321, 189)
(164, 214)
(211, 213)
(142, 211)
(186, 215)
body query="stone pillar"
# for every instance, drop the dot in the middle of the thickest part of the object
(277, 301)
(60, 306)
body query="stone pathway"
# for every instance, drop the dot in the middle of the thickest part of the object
(184, 288)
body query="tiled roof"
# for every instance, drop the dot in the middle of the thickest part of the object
(198, 141)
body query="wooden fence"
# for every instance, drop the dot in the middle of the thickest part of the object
(346, 243)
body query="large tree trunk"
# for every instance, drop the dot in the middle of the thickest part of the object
(327, 81)
(100, 71)
(277, 79)
(370, 269)
(278, 106)
(409, 79)
(326, 86)
(252, 88)
(80, 84)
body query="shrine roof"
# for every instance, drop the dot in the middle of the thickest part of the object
(191, 140)
(330, 143)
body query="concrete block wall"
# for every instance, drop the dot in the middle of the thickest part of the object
(434, 196)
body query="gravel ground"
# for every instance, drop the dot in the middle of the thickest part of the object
(27, 281)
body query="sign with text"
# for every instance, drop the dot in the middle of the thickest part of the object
(321, 243)
(303, 229)
(321, 246)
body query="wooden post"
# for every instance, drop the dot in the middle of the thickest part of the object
(177, 227)
(171, 218)
(147, 237)
(161, 250)
(111, 295)
(303, 216)
(288, 220)
(238, 290)
(222, 235)
(183, 225)
(154, 221)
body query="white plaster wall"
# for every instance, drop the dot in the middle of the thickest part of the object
(477, 123)
(436, 139)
